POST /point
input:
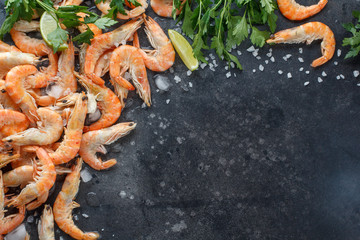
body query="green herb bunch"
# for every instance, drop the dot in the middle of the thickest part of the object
(224, 24)
(354, 41)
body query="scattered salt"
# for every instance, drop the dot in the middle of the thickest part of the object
(289, 75)
(228, 74)
(301, 59)
(306, 83)
(177, 79)
(254, 70)
(320, 80)
(300, 50)
(167, 101)
(356, 73)
(171, 70)
(239, 53)
(339, 52)
(250, 49)
(54, 90)
(272, 59)
(307, 72)
(211, 56)
(258, 58)
(203, 65)
(122, 194)
(342, 76)
(266, 61)
(280, 72)
(206, 58)
(190, 84)
(269, 54)
(85, 175)
(358, 84)
(188, 73)
(226, 67)
(301, 69)
(162, 82)
(232, 64)
(323, 74)
(338, 77)
(255, 53)
(261, 67)
(336, 63)
(85, 215)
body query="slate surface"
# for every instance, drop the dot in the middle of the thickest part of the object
(256, 156)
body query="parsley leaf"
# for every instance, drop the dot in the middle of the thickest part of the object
(84, 37)
(354, 41)
(57, 37)
(104, 22)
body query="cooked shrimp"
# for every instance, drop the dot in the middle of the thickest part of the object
(6, 158)
(69, 147)
(8, 60)
(94, 141)
(9, 223)
(12, 122)
(64, 204)
(14, 85)
(71, 2)
(46, 224)
(100, 44)
(128, 58)
(44, 179)
(309, 32)
(19, 176)
(103, 64)
(83, 27)
(294, 11)
(4, 47)
(49, 130)
(25, 26)
(121, 92)
(163, 8)
(108, 103)
(163, 55)
(104, 7)
(5, 100)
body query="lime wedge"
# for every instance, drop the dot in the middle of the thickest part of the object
(47, 25)
(184, 49)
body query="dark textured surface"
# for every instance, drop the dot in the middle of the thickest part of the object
(256, 156)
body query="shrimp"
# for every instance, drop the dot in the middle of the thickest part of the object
(64, 205)
(93, 141)
(12, 122)
(104, 7)
(25, 26)
(49, 130)
(14, 85)
(163, 55)
(6, 158)
(71, 2)
(9, 223)
(309, 32)
(44, 179)
(126, 58)
(5, 99)
(8, 60)
(46, 224)
(83, 27)
(164, 8)
(108, 103)
(100, 44)
(19, 176)
(65, 79)
(294, 11)
(103, 64)
(4, 47)
(121, 92)
(69, 147)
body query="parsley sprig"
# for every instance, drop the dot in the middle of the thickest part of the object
(66, 15)
(117, 6)
(225, 24)
(354, 41)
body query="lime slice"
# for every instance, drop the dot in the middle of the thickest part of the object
(184, 49)
(47, 25)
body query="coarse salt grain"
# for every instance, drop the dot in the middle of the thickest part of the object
(300, 50)
(342, 76)
(339, 52)
(320, 80)
(190, 84)
(188, 73)
(211, 56)
(266, 61)
(255, 53)
(280, 72)
(251, 49)
(356, 73)
(228, 74)
(261, 67)
(338, 77)
(258, 58)
(167, 101)
(269, 54)
(203, 65)
(301, 69)
(254, 70)
(232, 64)
(272, 59)
(306, 83)
(177, 79)
(239, 53)
(336, 63)
(289, 75)
(226, 67)
(358, 84)
(323, 74)
(307, 72)
(301, 59)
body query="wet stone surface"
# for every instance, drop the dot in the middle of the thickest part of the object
(256, 155)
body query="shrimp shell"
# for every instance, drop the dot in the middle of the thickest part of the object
(19, 176)
(46, 224)
(8, 60)
(294, 11)
(64, 205)
(12, 122)
(94, 141)
(309, 32)
(5, 99)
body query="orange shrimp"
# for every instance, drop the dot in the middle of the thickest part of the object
(309, 32)
(64, 204)
(12, 122)
(9, 223)
(104, 7)
(19, 176)
(69, 147)
(103, 64)
(46, 224)
(8, 60)
(94, 141)
(4, 47)
(108, 103)
(128, 58)
(294, 11)
(44, 179)
(49, 130)
(25, 26)
(164, 8)
(163, 56)
(121, 92)
(6, 158)
(14, 85)
(5, 100)
(100, 44)
(83, 27)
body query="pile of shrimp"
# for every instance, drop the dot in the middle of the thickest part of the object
(307, 32)
(43, 112)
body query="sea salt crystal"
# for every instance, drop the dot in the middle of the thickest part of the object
(211, 56)
(358, 84)
(272, 59)
(85, 175)
(301, 69)
(320, 80)
(342, 76)
(356, 73)
(162, 82)
(306, 83)
(206, 58)
(232, 64)
(251, 49)
(261, 67)
(280, 72)
(301, 59)
(85, 215)
(171, 70)
(254, 70)
(270, 50)
(190, 84)
(269, 54)
(266, 61)
(228, 74)
(336, 63)
(300, 50)
(203, 65)
(289, 75)
(255, 53)
(188, 73)
(339, 52)
(238, 52)
(258, 58)
(215, 63)
(338, 77)
(226, 67)
(307, 72)
(177, 79)
(167, 101)
(122, 194)
(323, 74)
